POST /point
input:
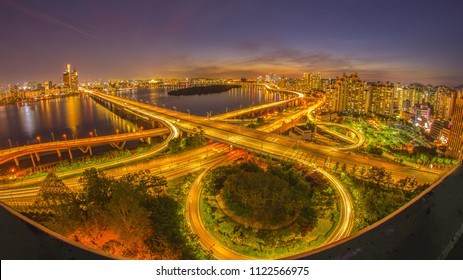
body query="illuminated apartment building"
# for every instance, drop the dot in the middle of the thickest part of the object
(456, 131)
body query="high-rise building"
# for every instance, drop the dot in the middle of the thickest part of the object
(70, 79)
(383, 99)
(305, 78)
(345, 96)
(455, 146)
(331, 94)
(437, 128)
(352, 97)
(443, 101)
(74, 81)
(413, 94)
(47, 85)
(67, 78)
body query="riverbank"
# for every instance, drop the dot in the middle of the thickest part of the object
(29, 100)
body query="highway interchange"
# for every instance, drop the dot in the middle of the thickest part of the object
(260, 141)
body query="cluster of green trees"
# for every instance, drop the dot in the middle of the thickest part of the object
(197, 90)
(272, 198)
(196, 139)
(405, 134)
(132, 216)
(375, 194)
(374, 150)
(263, 220)
(424, 155)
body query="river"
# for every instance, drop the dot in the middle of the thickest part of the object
(79, 116)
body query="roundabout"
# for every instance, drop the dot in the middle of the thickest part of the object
(305, 215)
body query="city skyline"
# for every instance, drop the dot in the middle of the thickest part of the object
(393, 41)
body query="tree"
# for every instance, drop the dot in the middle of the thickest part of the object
(336, 167)
(97, 188)
(363, 171)
(344, 168)
(54, 194)
(175, 145)
(407, 183)
(61, 204)
(272, 198)
(354, 169)
(379, 176)
(127, 216)
(375, 150)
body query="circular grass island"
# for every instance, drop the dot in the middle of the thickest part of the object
(268, 209)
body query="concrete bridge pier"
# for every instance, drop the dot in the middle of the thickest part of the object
(32, 159)
(70, 153)
(119, 145)
(87, 149)
(16, 161)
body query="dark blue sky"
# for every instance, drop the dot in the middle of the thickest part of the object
(398, 41)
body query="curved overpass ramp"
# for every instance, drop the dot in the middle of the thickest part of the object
(426, 228)
(355, 142)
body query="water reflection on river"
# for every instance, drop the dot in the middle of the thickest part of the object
(71, 117)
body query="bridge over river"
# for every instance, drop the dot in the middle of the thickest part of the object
(84, 144)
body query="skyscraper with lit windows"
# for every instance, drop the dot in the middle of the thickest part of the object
(70, 79)
(455, 147)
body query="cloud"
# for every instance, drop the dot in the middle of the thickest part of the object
(300, 60)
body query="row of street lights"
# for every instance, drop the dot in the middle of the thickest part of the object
(39, 139)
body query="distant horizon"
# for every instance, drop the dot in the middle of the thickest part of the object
(83, 79)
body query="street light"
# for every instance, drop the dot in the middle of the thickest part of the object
(117, 131)
(91, 134)
(38, 139)
(64, 136)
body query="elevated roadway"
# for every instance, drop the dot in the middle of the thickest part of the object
(261, 142)
(297, 97)
(171, 167)
(281, 122)
(252, 110)
(356, 142)
(267, 143)
(272, 145)
(83, 144)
